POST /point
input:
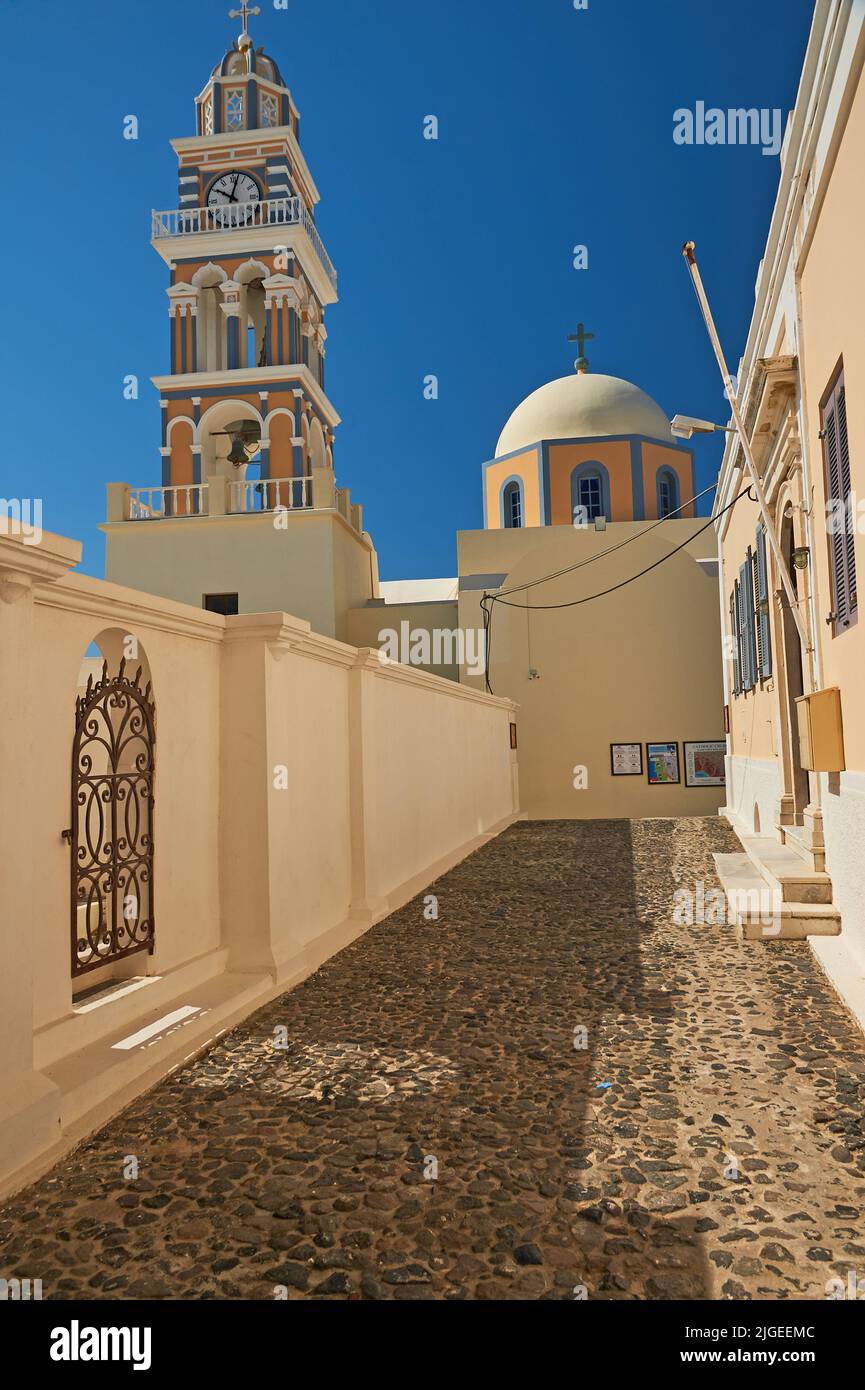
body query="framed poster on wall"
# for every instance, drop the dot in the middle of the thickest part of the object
(705, 765)
(626, 759)
(663, 764)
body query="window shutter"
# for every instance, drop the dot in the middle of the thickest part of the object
(842, 550)
(849, 508)
(734, 640)
(746, 621)
(764, 623)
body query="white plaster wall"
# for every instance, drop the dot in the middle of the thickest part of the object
(437, 771)
(310, 820)
(753, 782)
(844, 830)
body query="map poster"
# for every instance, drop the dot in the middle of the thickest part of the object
(663, 760)
(705, 765)
(626, 759)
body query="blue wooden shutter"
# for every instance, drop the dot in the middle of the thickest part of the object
(734, 640)
(842, 541)
(746, 622)
(764, 625)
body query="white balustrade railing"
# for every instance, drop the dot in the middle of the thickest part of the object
(267, 212)
(270, 494)
(246, 496)
(155, 503)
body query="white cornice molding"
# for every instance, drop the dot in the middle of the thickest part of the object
(241, 140)
(293, 516)
(215, 246)
(283, 634)
(241, 382)
(44, 563)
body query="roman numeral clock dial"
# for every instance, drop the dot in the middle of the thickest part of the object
(233, 199)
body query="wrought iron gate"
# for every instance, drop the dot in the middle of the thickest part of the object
(112, 821)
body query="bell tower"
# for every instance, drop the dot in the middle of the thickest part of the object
(250, 281)
(247, 517)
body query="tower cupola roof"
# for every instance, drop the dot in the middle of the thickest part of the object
(244, 60)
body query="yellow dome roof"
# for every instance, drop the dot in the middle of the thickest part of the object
(587, 406)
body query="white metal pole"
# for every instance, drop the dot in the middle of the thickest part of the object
(793, 599)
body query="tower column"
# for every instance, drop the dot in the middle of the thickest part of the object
(265, 442)
(280, 299)
(297, 459)
(182, 309)
(230, 307)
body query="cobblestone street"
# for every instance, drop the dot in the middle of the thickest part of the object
(431, 1131)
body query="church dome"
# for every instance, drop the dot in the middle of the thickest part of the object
(583, 406)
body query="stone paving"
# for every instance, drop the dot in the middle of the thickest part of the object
(435, 1127)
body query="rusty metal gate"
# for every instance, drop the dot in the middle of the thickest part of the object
(111, 836)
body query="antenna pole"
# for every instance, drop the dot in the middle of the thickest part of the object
(792, 596)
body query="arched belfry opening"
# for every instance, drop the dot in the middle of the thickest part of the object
(212, 338)
(253, 312)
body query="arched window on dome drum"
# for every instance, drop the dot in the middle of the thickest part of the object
(668, 493)
(513, 506)
(590, 493)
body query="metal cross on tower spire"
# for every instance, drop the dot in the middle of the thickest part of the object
(581, 337)
(243, 13)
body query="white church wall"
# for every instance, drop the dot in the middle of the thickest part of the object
(302, 790)
(415, 729)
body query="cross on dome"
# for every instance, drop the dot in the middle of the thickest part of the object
(581, 337)
(243, 15)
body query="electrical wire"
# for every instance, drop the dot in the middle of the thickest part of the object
(611, 549)
(489, 601)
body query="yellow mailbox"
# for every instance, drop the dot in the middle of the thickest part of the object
(821, 732)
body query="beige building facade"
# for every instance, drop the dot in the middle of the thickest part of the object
(637, 667)
(796, 752)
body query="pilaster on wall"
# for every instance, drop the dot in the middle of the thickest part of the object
(367, 900)
(29, 1104)
(244, 850)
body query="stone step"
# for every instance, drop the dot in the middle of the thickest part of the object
(758, 910)
(783, 868)
(794, 839)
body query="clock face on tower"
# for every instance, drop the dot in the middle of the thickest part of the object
(233, 199)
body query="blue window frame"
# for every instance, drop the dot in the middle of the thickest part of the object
(668, 493)
(590, 494)
(513, 506)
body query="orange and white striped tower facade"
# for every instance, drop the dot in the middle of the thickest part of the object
(250, 282)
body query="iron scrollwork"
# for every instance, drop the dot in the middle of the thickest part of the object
(112, 820)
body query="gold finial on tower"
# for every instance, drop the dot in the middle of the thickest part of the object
(581, 337)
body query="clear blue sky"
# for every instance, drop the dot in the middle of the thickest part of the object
(454, 257)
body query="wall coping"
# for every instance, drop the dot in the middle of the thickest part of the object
(100, 598)
(44, 563)
(283, 633)
(369, 659)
